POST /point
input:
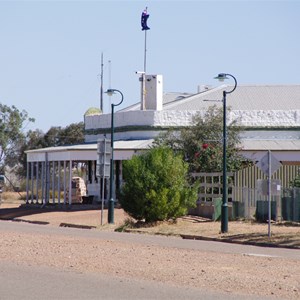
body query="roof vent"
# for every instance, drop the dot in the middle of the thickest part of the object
(179, 97)
(203, 88)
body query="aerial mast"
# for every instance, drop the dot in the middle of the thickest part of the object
(145, 28)
(101, 84)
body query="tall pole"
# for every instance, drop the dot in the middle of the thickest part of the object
(143, 91)
(224, 215)
(224, 218)
(109, 74)
(145, 28)
(111, 202)
(101, 85)
(145, 52)
(144, 74)
(143, 77)
(269, 195)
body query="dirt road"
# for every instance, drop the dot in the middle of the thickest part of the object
(235, 273)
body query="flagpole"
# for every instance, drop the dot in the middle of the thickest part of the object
(145, 27)
(144, 74)
(145, 52)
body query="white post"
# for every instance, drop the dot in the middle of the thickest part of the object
(31, 170)
(27, 182)
(65, 182)
(70, 182)
(47, 173)
(43, 183)
(37, 182)
(53, 182)
(58, 182)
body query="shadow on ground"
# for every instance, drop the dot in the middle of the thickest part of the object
(15, 213)
(285, 240)
(255, 239)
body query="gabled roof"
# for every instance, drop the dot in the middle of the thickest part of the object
(167, 98)
(82, 152)
(118, 145)
(245, 97)
(285, 150)
(273, 145)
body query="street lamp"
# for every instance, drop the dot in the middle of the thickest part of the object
(111, 203)
(224, 215)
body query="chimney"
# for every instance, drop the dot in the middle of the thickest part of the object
(154, 92)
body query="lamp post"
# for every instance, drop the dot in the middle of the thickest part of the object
(224, 215)
(111, 203)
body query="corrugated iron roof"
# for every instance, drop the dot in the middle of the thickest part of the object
(118, 145)
(250, 97)
(286, 151)
(167, 98)
(245, 97)
(133, 144)
(273, 145)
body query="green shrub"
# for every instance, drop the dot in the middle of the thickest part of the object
(295, 182)
(156, 187)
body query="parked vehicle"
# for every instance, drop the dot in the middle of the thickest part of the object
(78, 190)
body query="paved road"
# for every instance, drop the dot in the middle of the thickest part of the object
(21, 282)
(39, 282)
(163, 241)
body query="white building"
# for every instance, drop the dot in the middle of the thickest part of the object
(269, 114)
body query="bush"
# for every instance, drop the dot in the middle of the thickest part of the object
(156, 187)
(295, 182)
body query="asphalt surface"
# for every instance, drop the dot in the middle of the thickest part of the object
(23, 282)
(163, 241)
(20, 281)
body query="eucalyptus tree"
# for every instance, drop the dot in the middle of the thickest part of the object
(201, 143)
(12, 137)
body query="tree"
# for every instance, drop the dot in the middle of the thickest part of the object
(55, 136)
(72, 134)
(201, 144)
(156, 186)
(52, 137)
(11, 135)
(34, 140)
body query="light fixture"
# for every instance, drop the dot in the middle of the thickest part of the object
(224, 215)
(111, 202)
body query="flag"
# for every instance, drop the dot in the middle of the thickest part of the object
(144, 19)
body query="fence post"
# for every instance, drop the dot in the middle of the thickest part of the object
(294, 205)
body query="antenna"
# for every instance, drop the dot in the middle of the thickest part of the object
(101, 85)
(109, 74)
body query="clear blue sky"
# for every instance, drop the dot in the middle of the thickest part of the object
(50, 51)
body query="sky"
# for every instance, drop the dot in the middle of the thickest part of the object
(50, 54)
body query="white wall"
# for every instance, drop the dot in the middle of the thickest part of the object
(174, 118)
(269, 118)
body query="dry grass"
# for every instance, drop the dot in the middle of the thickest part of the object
(13, 197)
